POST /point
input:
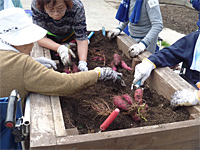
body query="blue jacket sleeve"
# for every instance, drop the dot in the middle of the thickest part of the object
(181, 51)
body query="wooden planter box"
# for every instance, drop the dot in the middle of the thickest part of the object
(48, 131)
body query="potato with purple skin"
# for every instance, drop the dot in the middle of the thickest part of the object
(128, 98)
(117, 62)
(120, 103)
(135, 108)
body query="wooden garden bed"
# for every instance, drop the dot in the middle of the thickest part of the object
(48, 130)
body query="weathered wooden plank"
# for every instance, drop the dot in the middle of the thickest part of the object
(124, 42)
(72, 131)
(149, 137)
(58, 116)
(45, 123)
(42, 130)
(39, 51)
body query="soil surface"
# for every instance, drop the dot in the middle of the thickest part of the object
(81, 110)
(179, 18)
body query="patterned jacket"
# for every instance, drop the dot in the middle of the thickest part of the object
(73, 19)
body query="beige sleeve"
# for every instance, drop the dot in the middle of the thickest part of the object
(42, 80)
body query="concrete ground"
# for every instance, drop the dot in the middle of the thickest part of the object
(101, 13)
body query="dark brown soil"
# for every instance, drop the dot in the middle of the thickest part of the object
(77, 110)
(179, 18)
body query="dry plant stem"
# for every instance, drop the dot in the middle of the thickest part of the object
(102, 107)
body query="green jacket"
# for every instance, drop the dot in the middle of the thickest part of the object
(21, 72)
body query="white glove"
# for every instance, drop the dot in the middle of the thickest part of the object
(185, 98)
(107, 73)
(46, 62)
(136, 49)
(82, 66)
(113, 33)
(64, 52)
(143, 71)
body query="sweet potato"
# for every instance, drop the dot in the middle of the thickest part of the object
(117, 60)
(136, 117)
(128, 98)
(113, 66)
(67, 71)
(138, 95)
(125, 66)
(120, 103)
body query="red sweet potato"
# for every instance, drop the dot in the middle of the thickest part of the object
(136, 117)
(120, 103)
(113, 66)
(67, 71)
(128, 98)
(138, 95)
(125, 66)
(117, 60)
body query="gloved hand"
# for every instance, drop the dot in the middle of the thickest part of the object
(46, 62)
(143, 70)
(64, 52)
(107, 73)
(136, 49)
(185, 98)
(113, 33)
(82, 66)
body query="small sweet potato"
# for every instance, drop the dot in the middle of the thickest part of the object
(67, 71)
(113, 66)
(125, 66)
(117, 60)
(128, 98)
(120, 103)
(138, 95)
(136, 117)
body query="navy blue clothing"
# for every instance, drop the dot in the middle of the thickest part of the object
(196, 5)
(180, 51)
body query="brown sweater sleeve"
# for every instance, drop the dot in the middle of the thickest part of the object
(42, 80)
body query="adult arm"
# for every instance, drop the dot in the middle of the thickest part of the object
(82, 47)
(155, 18)
(181, 50)
(42, 80)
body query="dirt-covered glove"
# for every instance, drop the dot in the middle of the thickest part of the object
(64, 53)
(107, 73)
(113, 33)
(82, 66)
(143, 71)
(46, 62)
(185, 98)
(136, 49)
